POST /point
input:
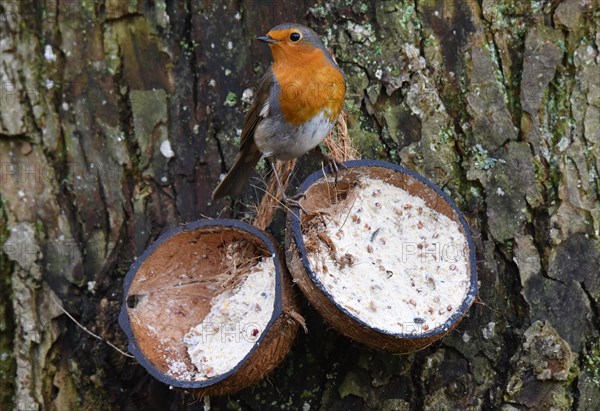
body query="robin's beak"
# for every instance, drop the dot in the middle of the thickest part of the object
(266, 39)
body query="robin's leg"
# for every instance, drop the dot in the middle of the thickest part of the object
(334, 166)
(290, 202)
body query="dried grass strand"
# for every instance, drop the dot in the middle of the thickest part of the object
(84, 328)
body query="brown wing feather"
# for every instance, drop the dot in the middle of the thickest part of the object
(249, 154)
(253, 117)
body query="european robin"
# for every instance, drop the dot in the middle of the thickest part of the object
(298, 102)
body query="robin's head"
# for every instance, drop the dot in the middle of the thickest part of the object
(292, 42)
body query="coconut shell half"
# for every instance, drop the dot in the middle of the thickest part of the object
(169, 290)
(323, 193)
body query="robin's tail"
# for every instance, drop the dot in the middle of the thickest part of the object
(236, 178)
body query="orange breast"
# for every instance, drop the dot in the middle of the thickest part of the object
(309, 84)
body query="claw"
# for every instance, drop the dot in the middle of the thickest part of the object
(299, 196)
(334, 166)
(292, 202)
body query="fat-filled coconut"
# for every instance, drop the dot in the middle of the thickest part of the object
(383, 254)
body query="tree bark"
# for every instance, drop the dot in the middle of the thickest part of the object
(497, 102)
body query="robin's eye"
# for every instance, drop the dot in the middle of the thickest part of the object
(295, 36)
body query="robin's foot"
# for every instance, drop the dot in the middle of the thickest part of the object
(294, 202)
(334, 166)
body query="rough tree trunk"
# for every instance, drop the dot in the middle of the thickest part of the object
(498, 102)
